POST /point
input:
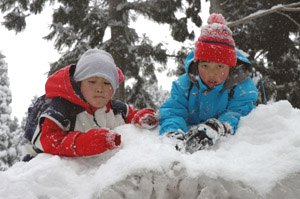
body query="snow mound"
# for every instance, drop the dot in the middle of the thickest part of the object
(261, 161)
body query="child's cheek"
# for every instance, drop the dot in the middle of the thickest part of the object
(202, 75)
(223, 76)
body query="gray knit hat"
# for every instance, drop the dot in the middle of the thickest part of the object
(97, 63)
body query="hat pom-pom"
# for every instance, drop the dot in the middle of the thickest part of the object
(121, 76)
(216, 18)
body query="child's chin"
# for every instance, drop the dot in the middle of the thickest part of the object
(211, 85)
(100, 104)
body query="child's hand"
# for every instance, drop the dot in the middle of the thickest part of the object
(197, 140)
(205, 135)
(179, 138)
(149, 120)
(145, 118)
(96, 141)
(215, 128)
(175, 135)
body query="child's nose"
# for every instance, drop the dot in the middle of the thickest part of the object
(212, 72)
(99, 89)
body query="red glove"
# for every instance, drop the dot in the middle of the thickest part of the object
(145, 118)
(96, 141)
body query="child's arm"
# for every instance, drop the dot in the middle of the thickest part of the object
(56, 141)
(245, 95)
(174, 111)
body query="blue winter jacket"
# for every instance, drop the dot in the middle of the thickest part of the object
(191, 102)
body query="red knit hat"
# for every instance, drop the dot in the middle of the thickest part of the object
(215, 43)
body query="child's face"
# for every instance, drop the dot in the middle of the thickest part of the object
(212, 73)
(97, 91)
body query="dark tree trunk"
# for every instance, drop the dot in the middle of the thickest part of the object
(118, 36)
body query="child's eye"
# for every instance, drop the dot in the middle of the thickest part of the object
(92, 82)
(107, 83)
(204, 66)
(220, 66)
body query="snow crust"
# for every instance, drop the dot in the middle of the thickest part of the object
(262, 160)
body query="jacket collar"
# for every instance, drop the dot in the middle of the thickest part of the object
(61, 84)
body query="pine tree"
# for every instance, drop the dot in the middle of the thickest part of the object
(8, 140)
(272, 41)
(82, 24)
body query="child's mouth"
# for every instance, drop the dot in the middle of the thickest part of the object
(212, 82)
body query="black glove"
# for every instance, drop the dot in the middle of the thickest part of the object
(179, 137)
(197, 140)
(206, 134)
(214, 128)
(215, 125)
(175, 135)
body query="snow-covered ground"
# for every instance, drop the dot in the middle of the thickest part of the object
(261, 161)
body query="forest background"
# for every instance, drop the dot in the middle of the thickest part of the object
(267, 31)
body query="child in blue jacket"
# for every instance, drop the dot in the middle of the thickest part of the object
(208, 100)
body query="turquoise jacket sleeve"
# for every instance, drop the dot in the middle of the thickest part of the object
(174, 112)
(241, 104)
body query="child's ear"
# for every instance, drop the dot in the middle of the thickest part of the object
(78, 83)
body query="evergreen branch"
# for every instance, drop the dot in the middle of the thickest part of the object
(261, 13)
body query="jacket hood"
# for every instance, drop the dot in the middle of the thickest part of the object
(238, 74)
(61, 84)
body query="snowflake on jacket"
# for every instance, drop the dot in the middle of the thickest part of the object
(71, 126)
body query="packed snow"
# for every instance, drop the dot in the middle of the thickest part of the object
(261, 161)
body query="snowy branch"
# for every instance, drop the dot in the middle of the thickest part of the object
(261, 13)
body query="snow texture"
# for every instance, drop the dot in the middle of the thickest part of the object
(262, 160)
